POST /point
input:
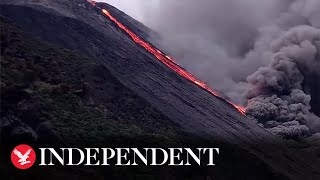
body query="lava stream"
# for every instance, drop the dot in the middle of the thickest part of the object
(168, 61)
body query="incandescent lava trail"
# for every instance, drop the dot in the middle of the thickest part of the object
(165, 59)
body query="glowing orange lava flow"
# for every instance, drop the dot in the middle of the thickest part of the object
(168, 61)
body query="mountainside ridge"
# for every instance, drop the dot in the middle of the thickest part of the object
(193, 109)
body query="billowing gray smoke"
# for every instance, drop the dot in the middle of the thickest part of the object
(276, 94)
(262, 54)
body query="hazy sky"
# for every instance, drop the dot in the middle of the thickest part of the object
(135, 8)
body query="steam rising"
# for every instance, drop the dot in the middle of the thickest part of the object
(262, 54)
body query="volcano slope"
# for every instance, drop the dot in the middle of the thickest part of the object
(180, 104)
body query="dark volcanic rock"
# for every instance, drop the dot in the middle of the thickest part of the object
(193, 109)
(14, 130)
(30, 110)
(47, 134)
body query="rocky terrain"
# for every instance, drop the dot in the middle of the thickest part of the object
(70, 76)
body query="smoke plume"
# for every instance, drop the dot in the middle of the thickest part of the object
(262, 54)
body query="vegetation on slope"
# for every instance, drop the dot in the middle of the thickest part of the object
(43, 85)
(52, 96)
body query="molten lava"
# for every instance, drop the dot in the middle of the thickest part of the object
(168, 61)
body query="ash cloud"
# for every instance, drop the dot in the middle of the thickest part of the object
(262, 54)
